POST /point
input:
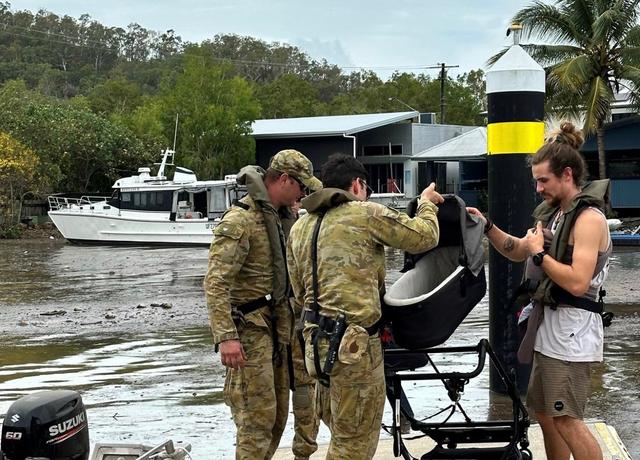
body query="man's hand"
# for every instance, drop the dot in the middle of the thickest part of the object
(430, 194)
(534, 239)
(476, 212)
(232, 354)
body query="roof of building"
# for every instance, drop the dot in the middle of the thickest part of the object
(336, 125)
(471, 145)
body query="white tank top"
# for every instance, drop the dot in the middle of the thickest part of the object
(573, 334)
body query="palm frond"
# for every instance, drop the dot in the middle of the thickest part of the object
(632, 74)
(600, 6)
(634, 95)
(561, 102)
(630, 55)
(633, 36)
(597, 105)
(545, 55)
(606, 25)
(581, 13)
(493, 59)
(614, 23)
(573, 74)
(547, 22)
(549, 55)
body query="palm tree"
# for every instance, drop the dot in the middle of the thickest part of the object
(592, 51)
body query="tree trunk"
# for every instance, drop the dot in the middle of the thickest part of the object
(12, 216)
(17, 221)
(602, 159)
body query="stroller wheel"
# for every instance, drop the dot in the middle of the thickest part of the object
(526, 454)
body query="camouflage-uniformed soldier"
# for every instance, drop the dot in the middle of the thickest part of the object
(246, 288)
(351, 272)
(305, 418)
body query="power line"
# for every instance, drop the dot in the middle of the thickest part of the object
(48, 34)
(103, 47)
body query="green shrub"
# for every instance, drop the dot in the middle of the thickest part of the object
(10, 232)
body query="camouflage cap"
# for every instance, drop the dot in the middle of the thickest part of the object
(296, 165)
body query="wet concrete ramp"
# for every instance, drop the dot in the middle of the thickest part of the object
(607, 436)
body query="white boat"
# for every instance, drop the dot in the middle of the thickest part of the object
(614, 224)
(393, 200)
(121, 451)
(146, 209)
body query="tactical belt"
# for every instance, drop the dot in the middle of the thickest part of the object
(253, 305)
(265, 301)
(328, 324)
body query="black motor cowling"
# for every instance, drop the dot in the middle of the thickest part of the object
(46, 424)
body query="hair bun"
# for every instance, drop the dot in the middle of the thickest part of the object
(567, 134)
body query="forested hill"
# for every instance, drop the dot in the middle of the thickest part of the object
(93, 101)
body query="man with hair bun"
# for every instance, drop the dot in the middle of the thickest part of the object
(567, 260)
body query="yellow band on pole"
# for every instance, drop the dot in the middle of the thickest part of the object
(514, 137)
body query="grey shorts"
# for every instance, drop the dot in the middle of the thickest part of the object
(558, 388)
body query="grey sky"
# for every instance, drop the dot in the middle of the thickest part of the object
(383, 35)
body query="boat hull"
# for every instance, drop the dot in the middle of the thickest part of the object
(625, 239)
(132, 230)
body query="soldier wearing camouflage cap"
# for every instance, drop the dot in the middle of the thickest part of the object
(350, 276)
(247, 289)
(296, 165)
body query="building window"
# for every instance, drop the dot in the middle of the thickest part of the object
(379, 150)
(386, 178)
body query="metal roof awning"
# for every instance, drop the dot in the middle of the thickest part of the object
(337, 125)
(471, 145)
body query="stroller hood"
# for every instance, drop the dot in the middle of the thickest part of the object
(441, 286)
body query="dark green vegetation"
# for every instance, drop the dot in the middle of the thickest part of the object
(95, 102)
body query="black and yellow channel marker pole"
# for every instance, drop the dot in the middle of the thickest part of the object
(515, 131)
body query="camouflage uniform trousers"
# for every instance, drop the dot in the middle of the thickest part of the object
(258, 395)
(355, 400)
(305, 418)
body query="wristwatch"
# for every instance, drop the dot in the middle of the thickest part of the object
(537, 258)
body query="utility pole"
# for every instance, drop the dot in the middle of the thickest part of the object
(443, 75)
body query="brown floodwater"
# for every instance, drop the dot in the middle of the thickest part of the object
(127, 328)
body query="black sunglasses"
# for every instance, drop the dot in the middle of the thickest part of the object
(303, 187)
(366, 186)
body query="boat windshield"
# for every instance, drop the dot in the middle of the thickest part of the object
(115, 199)
(157, 200)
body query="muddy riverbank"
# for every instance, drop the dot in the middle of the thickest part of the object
(49, 285)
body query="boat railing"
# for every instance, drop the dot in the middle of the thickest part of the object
(57, 202)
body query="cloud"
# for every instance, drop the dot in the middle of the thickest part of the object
(331, 50)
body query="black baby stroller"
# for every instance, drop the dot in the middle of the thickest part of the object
(422, 309)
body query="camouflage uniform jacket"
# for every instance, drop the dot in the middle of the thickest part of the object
(351, 242)
(240, 270)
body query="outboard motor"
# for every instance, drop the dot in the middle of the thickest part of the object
(47, 425)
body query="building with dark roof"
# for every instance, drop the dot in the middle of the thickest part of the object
(384, 142)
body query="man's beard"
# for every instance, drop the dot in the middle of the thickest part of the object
(553, 201)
